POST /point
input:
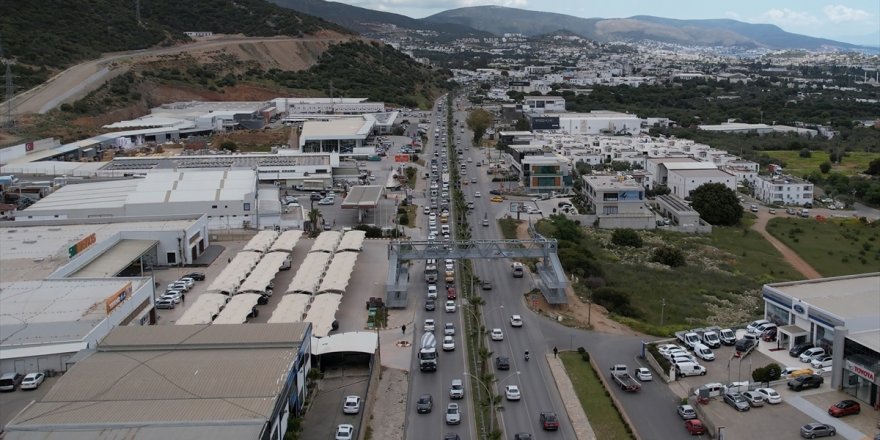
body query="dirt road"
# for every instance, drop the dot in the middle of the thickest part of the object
(79, 80)
(790, 256)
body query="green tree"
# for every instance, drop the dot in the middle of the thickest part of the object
(478, 121)
(670, 256)
(825, 167)
(805, 153)
(626, 237)
(229, 145)
(314, 215)
(522, 124)
(873, 168)
(717, 204)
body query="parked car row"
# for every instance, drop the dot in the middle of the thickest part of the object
(13, 381)
(175, 292)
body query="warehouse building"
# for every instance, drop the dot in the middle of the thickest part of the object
(839, 314)
(176, 382)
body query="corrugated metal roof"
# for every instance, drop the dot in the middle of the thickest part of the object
(160, 336)
(115, 259)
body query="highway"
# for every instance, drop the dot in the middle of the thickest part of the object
(652, 410)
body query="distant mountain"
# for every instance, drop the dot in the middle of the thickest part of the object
(719, 32)
(368, 21)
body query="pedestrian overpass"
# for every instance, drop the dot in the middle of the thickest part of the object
(551, 276)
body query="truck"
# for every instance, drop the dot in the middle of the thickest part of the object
(517, 270)
(428, 353)
(620, 375)
(431, 271)
(688, 337)
(709, 336)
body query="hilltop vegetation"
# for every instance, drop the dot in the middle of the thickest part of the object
(56, 33)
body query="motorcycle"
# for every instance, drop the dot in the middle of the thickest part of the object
(527, 356)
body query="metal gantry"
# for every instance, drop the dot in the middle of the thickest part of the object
(552, 279)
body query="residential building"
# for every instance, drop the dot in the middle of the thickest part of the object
(618, 201)
(544, 173)
(783, 190)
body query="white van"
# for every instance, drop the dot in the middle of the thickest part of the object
(690, 369)
(812, 353)
(703, 352)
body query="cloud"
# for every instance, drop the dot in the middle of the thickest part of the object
(841, 13)
(787, 17)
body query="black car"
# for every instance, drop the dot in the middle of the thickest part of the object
(425, 404)
(804, 382)
(495, 192)
(451, 436)
(430, 305)
(198, 276)
(263, 300)
(522, 436)
(796, 350)
(315, 196)
(502, 363)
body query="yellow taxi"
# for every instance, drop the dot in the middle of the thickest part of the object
(497, 199)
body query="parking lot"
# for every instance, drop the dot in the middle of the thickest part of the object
(781, 421)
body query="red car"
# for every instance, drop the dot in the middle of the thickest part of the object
(844, 408)
(694, 427)
(549, 421)
(450, 293)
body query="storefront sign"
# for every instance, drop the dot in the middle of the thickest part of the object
(81, 245)
(861, 371)
(117, 298)
(799, 309)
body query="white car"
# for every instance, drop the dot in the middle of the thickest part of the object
(326, 201)
(188, 281)
(450, 306)
(821, 362)
(497, 334)
(477, 194)
(432, 222)
(352, 405)
(511, 392)
(177, 285)
(173, 295)
(32, 381)
(432, 291)
(516, 321)
(427, 210)
(448, 343)
(665, 348)
(449, 329)
(753, 327)
(345, 432)
(453, 415)
(644, 374)
(429, 325)
(770, 395)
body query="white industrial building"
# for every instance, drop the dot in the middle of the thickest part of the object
(684, 174)
(543, 104)
(783, 190)
(345, 106)
(598, 122)
(345, 136)
(228, 198)
(66, 284)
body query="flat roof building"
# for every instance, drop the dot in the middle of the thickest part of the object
(345, 136)
(839, 314)
(178, 381)
(618, 201)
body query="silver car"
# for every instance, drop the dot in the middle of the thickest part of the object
(737, 401)
(453, 414)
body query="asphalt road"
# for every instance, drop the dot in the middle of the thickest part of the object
(652, 410)
(451, 364)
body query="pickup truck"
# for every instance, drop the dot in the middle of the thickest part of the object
(620, 375)
(689, 338)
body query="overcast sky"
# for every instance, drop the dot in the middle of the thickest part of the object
(856, 21)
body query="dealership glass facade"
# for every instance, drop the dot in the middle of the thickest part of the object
(861, 372)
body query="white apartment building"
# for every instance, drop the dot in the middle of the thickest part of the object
(598, 122)
(618, 201)
(542, 104)
(783, 190)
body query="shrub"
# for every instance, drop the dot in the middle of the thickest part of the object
(404, 219)
(767, 373)
(669, 256)
(626, 237)
(582, 350)
(616, 301)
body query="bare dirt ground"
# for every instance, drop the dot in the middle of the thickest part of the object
(790, 256)
(389, 409)
(280, 52)
(576, 313)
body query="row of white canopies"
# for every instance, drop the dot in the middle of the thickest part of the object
(257, 265)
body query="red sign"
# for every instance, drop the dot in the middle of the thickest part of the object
(861, 371)
(29, 146)
(401, 157)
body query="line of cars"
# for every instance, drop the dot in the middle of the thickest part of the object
(175, 292)
(13, 381)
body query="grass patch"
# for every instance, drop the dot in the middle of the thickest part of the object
(604, 416)
(853, 162)
(833, 247)
(411, 214)
(508, 227)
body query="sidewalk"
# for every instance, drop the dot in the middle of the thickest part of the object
(576, 415)
(395, 345)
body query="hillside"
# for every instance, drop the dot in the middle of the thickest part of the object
(58, 33)
(368, 21)
(724, 32)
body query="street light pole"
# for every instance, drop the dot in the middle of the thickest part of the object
(491, 403)
(662, 310)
